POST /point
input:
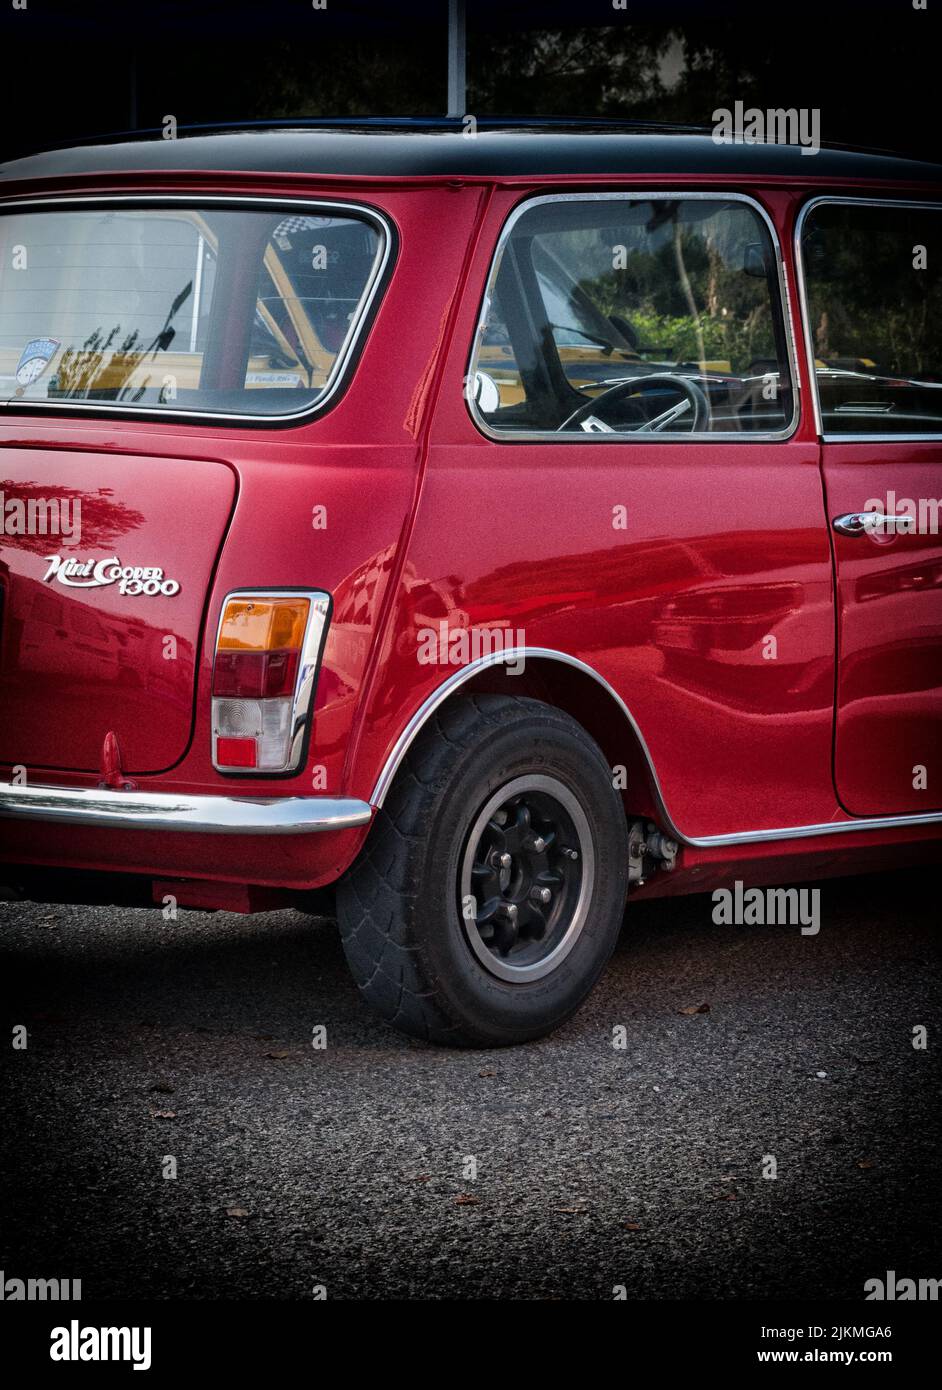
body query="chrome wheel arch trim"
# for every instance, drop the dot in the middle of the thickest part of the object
(474, 668)
(460, 677)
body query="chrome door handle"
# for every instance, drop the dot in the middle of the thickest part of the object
(860, 523)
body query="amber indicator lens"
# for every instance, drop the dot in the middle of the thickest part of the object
(259, 625)
(259, 648)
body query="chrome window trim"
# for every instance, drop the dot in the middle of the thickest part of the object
(744, 837)
(210, 815)
(351, 345)
(881, 438)
(506, 436)
(312, 647)
(806, 208)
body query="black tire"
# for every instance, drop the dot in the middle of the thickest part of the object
(414, 959)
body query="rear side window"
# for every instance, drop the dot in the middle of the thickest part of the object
(874, 297)
(216, 310)
(634, 315)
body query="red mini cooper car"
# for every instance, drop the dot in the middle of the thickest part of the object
(482, 523)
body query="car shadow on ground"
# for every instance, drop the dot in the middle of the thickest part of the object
(115, 969)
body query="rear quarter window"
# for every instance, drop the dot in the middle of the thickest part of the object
(217, 310)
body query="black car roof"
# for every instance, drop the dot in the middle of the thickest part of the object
(425, 148)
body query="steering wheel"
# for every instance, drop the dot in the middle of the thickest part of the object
(694, 399)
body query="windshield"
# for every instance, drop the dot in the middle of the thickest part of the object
(574, 319)
(216, 310)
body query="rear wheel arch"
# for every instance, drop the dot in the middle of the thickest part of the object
(568, 684)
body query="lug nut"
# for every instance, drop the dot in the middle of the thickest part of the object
(538, 844)
(505, 861)
(540, 895)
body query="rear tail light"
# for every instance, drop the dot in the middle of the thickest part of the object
(264, 675)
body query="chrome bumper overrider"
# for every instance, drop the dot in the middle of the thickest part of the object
(221, 815)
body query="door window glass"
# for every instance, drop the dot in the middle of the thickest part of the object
(874, 295)
(635, 316)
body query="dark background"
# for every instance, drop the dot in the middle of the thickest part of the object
(600, 1168)
(71, 69)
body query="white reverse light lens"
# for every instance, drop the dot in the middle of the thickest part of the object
(267, 721)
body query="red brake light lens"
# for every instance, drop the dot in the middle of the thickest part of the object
(255, 675)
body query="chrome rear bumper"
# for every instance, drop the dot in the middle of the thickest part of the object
(219, 815)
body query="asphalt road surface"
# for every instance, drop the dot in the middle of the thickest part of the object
(349, 1167)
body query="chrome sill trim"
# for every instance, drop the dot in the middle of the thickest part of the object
(209, 815)
(805, 832)
(739, 837)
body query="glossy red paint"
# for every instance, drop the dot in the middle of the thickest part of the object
(427, 518)
(889, 618)
(79, 657)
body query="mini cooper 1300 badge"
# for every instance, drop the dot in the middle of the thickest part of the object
(92, 574)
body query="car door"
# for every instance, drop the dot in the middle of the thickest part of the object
(873, 296)
(645, 496)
